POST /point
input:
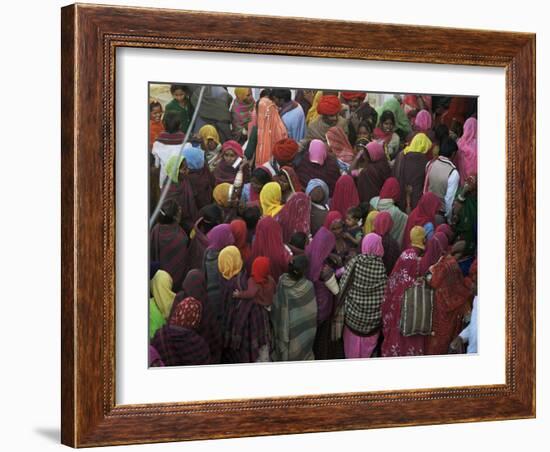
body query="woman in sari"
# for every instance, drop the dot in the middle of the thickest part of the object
(294, 314)
(402, 123)
(318, 164)
(410, 170)
(423, 124)
(339, 145)
(270, 199)
(451, 302)
(289, 182)
(465, 217)
(178, 343)
(199, 175)
(211, 145)
(250, 195)
(386, 202)
(209, 217)
(385, 134)
(466, 157)
(404, 274)
(241, 113)
(194, 286)
(383, 224)
(268, 242)
(368, 227)
(295, 216)
(376, 170)
(223, 195)
(271, 129)
(240, 233)
(423, 214)
(218, 238)
(345, 195)
(246, 323)
(230, 163)
(160, 304)
(168, 242)
(181, 191)
(318, 192)
(324, 282)
(362, 291)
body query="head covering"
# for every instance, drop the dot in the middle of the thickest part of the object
(383, 223)
(161, 288)
(331, 217)
(417, 236)
(187, 313)
(295, 216)
(219, 237)
(234, 146)
(391, 189)
(329, 105)
(317, 251)
(345, 194)
(401, 120)
(173, 167)
(261, 268)
(442, 240)
(285, 150)
(349, 95)
(466, 158)
(271, 129)
(447, 230)
(317, 152)
(434, 250)
(369, 222)
(423, 121)
(239, 231)
(241, 93)
(194, 157)
(372, 244)
(270, 199)
(268, 242)
(221, 194)
(420, 143)
(194, 285)
(292, 177)
(376, 151)
(313, 184)
(429, 229)
(423, 213)
(209, 132)
(339, 144)
(230, 262)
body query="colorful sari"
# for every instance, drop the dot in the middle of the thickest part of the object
(318, 164)
(424, 213)
(466, 157)
(339, 145)
(168, 246)
(295, 216)
(268, 242)
(270, 130)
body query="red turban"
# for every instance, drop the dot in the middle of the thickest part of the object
(349, 95)
(234, 146)
(329, 105)
(285, 150)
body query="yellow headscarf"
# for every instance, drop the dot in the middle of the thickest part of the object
(230, 262)
(369, 222)
(161, 287)
(241, 93)
(208, 132)
(270, 199)
(312, 114)
(420, 143)
(221, 194)
(173, 167)
(418, 234)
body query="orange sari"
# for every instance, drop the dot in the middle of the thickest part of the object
(270, 130)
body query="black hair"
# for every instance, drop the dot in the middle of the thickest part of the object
(281, 93)
(457, 127)
(184, 88)
(154, 104)
(448, 147)
(211, 216)
(171, 121)
(387, 114)
(251, 216)
(366, 124)
(298, 267)
(298, 240)
(355, 212)
(265, 93)
(364, 206)
(168, 212)
(261, 175)
(441, 132)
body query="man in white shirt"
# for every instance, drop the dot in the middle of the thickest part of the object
(442, 177)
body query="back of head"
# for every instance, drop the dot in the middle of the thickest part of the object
(171, 121)
(251, 216)
(298, 267)
(168, 212)
(448, 147)
(284, 94)
(298, 240)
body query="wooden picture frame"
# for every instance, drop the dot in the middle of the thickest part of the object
(90, 36)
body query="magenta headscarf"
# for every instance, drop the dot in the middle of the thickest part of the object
(446, 229)
(317, 251)
(331, 217)
(372, 244)
(219, 237)
(376, 151)
(466, 157)
(383, 223)
(317, 152)
(234, 146)
(423, 121)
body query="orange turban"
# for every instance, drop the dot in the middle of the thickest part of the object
(329, 105)
(285, 150)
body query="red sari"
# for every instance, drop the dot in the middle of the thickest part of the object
(345, 195)
(402, 277)
(268, 242)
(295, 216)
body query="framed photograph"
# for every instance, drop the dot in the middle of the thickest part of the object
(139, 148)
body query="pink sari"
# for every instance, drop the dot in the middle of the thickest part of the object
(339, 144)
(466, 157)
(402, 277)
(295, 216)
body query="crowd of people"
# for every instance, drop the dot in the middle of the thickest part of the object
(296, 223)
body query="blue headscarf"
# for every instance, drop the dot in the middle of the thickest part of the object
(194, 157)
(429, 228)
(314, 183)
